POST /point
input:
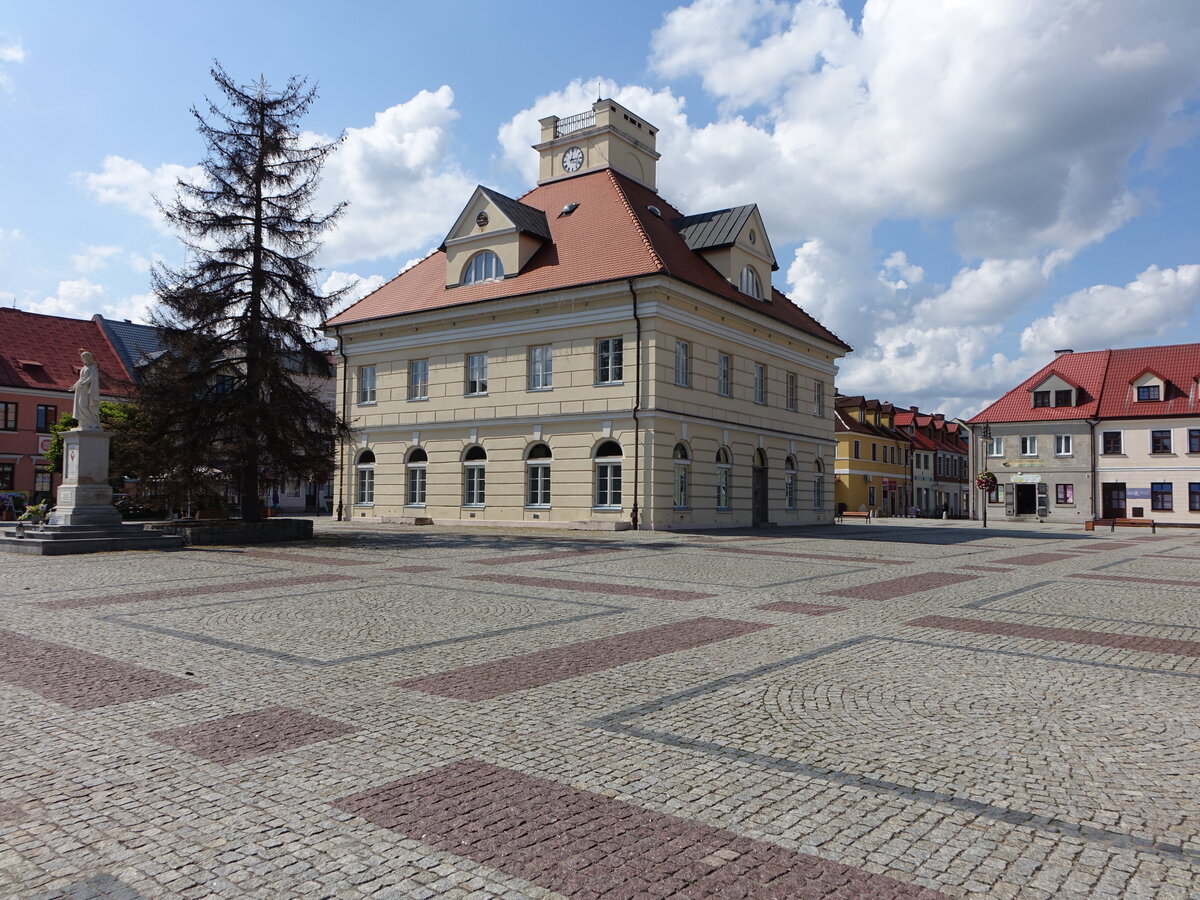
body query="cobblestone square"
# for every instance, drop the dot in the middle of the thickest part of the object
(888, 709)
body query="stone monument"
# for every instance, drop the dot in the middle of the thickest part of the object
(85, 498)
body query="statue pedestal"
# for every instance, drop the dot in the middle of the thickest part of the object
(85, 497)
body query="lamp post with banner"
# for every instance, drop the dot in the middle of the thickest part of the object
(985, 480)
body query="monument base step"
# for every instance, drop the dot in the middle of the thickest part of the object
(58, 540)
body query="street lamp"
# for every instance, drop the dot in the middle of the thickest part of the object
(986, 437)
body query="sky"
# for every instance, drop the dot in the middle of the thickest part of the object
(956, 188)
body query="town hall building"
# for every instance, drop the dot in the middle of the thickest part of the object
(589, 356)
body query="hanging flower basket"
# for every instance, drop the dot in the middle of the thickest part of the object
(985, 481)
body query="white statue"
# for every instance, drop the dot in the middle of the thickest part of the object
(87, 394)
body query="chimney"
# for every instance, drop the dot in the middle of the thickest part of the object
(913, 410)
(1058, 353)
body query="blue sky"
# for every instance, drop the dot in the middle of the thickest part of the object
(957, 189)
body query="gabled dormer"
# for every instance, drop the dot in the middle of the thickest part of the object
(492, 238)
(1149, 387)
(736, 244)
(1054, 390)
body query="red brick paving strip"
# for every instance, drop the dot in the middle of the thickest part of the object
(306, 558)
(900, 587)
(808, 609)
(1035, 559)
(563, 555)
(79, 679)
(229, 587)
(1134, 579)
(258, 733)
(582, 844)
(853, 559)
(591, 587)
(530, 670)
(1069, 635)
(985, 568)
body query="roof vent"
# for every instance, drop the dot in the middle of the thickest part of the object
(655, 210)
(1061, 352)
(568, 209)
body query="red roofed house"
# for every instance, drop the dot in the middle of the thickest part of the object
(39, 362)
(1102, 434)
(588, 354)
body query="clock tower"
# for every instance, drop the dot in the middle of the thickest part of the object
(607, 136)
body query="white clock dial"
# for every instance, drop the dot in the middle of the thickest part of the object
(572, 159)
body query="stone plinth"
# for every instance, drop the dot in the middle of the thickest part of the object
(85, 497)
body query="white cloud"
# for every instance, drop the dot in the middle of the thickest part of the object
(399, 178)
(906, 274)
(1148, 309)
(131, 185)
(359, 285)
(94, 258)
(75, 298)
(11, 51)
(10, 234)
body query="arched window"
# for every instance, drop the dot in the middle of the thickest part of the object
(749, 283)
(724, 469)
(683, 461)
(537, 464)
(414, 495)
(364, 494)
(818, 484)
(789, 483)
(608, 474)
(474, 476)
(483, 266)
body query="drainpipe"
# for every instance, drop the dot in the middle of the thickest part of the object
(345, 409)
(1095, 488)
(637, 405)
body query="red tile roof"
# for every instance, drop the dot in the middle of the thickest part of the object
(54, 342)
(1178, 365)
(1084, 370)
(612, 235)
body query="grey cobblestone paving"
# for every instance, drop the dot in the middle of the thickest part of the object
(223, 723)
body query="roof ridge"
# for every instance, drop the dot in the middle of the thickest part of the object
(637, 223)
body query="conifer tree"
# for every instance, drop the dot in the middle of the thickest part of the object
(238, 388)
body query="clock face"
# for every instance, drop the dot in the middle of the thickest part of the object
(572, 159)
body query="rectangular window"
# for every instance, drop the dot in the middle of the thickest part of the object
(1064, 494)
(46, 416)
(875, 451)
(1064, 398)
(477, 376)
(680, 492)
(8, 417)
(418, 379)
(790, 395)
(818, 398)
(857, 450)
(416, 485)
(1028, 445)
(871, 495)
(789, 490)
(723, 384)
(1147, 392)
(366, 485)
(995, 446)
(1041, 398)
(8, 475)
(609, 369)
(1194, 496)
(539, 486)
(1160, 441)
(43, 481)
(1062, 445)
(366, 384)
(1194, 440)
(723, 487)
(608, 484)
(760, 383)
(1160, 496)
(1110, 442)
(541, 368)
(475, 486)
(683, 363)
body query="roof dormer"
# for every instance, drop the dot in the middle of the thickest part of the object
(1149, 387)
(1054, 390)
(735, 242)
(492, 238)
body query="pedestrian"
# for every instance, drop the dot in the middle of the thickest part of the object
(946, 510)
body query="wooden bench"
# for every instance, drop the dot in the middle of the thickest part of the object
(854, 514)
(1128, 523)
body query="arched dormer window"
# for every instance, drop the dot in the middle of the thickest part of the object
(749, 283)
(483, 266)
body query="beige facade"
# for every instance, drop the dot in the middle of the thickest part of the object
(1150, 468)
